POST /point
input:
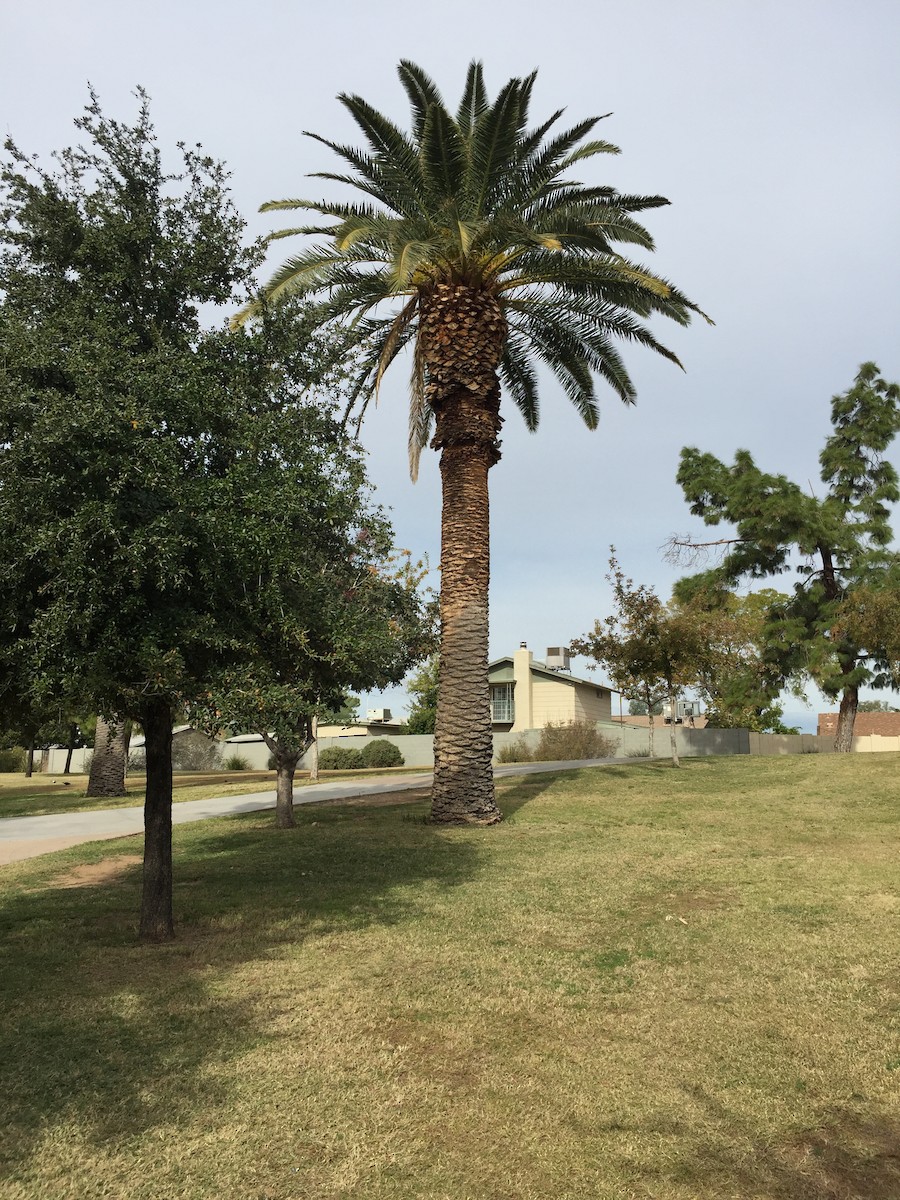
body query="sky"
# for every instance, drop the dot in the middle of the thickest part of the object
(771, 125)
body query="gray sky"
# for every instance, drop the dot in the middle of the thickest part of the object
(771, 125)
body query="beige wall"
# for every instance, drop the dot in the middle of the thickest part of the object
(552, 702)
(591, 707)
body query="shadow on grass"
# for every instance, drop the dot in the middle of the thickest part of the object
(116, 1037)
(849, 1155)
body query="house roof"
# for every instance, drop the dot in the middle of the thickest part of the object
(886, 724)
(501, 671)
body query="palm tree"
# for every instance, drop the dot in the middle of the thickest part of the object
(473, 247)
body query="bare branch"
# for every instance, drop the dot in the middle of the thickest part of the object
(682, 551)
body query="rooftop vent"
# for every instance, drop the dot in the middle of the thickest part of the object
(375, 715)
(557, 658)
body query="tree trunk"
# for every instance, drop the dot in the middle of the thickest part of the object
(157, 924)
(107, 775)
(463, 332)
(29, 760)
(285, 765)
(650, 728)
(286, 759)
(673, 708)
(314, 752)
(843, 742)
(73, 735)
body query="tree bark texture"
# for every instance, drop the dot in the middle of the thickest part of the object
(157, 924)
(110, 757)
(285, 766)
(843, 742)
(29, 760)
(463, 334)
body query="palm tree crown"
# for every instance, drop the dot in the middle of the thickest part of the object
(477, 203)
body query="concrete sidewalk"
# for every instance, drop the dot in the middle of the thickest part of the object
(27, 837)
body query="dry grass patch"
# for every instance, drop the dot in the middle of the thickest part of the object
(370, 1006)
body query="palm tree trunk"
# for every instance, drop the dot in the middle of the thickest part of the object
(463, 788)
(463, 331)
(107, 775)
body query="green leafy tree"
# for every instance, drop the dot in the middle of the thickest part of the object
(347, 614)
(876, 706)
(475, 248)
(652, 652)
(639, 708)
(736, 684)
(423, 688)
(842, 540)
(126, 536)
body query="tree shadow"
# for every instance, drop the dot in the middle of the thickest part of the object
(848, 1155)
(116, 1037)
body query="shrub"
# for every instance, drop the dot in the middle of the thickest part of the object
(12, 760)
(340, 758)
(571, 740)
(382, 753)
(137, 761)
(236, 762)
(638, 752)
(513, 752)
(193, 751)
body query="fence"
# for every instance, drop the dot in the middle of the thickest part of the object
(631, 741)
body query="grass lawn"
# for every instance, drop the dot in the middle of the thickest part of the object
(42, 795)
(644, 984)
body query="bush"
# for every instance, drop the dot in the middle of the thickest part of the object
(137, 761)
(571, 740)
(340, 758)
(236, 762)
(13, 760)
(382, 753)
(514, 752)
(193, 751)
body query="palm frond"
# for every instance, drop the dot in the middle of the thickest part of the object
(421, 416)
(520, 380)
(474, 100)
(442, 154)
(422, 92)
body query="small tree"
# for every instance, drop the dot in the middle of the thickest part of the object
(353, 617)
(736, 682)
(841, 540)
(651, 652)
(423, 687)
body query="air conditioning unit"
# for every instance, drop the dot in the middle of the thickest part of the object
(374, 715)
(557, 658)
(684, 711)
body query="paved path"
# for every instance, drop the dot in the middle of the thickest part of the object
(27, 837)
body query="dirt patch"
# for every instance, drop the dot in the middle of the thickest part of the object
(680, 904)
(108, 870)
